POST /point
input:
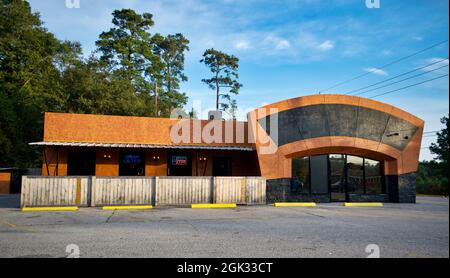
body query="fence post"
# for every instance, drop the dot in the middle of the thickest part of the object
(24, 191)
(155, 181)
(91, 191)
(211, 186)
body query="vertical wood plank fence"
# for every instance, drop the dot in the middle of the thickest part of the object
(160, 191)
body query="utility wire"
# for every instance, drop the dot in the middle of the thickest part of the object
(406, 87)
(385, 66)
(394, 77)
(434, 131)
(399, 81)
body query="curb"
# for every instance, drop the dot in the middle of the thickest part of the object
(126, 207)
(200, 206)
(50, 209)
(311, 204)
(363, 204)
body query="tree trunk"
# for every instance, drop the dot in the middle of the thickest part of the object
(217, 90)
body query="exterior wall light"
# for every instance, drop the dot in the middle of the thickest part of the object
(155, 158)
(202, 158)
(108, 156)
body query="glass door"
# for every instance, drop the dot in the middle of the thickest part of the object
(337, 178)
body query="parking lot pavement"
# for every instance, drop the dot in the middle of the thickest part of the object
(328, 230)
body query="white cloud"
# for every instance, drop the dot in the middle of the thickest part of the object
(376, 71)
(282, 44)
(242, 45)
(440, 65)
(326, 45)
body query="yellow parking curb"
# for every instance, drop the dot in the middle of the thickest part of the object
(126, 207)
(311, 204)
(363, 204)
(199, 206)
(50, 209)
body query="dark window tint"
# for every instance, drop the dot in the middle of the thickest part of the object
(319, 174)
(132, 164)
(300, 174)
(373, 176)
(355, 174)
(81, 162)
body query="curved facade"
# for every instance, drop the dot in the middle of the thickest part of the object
(324, 125)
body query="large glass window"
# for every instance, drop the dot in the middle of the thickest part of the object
(338, 174)
(355, 174)
(319, 174)
(374, 183)
(132, 164)
(300, 174)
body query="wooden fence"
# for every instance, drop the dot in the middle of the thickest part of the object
(159, 191)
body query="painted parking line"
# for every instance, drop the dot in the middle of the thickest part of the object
(50, 209)
(200, 206)
(363, 204)
(310, 204)
(126, 207)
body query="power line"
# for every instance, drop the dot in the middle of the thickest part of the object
(394, 77)
(396, 82)
(406, 87)
(434, 131)
(385, 66)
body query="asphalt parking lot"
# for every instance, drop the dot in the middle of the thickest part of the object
(328, 230)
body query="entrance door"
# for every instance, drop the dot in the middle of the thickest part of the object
(179, 165)
(337, 178)
(222, 166)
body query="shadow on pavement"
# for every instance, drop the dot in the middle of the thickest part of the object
(10, 201)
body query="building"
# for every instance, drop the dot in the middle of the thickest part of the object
(315, 148)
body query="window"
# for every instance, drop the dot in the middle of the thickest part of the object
(131, 164)
(355, 174)
(374, 183)
(80, 162)
(319, 174)
(339, 174)
(300, 175)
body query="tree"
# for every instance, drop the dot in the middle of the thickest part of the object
(171, 51)
(128, 48)
(441, 147)
(224, 68)
(29, 81)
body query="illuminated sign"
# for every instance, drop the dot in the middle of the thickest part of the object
(179, 160)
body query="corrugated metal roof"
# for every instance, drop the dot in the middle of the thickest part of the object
(142, 146)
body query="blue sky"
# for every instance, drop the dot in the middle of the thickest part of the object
(289, 48)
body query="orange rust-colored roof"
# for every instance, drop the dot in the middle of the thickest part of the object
(87, 128)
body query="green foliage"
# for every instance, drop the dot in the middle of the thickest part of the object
(39, 73)
(432, 178)
(224, 68)
(171, 51)
(441, 147)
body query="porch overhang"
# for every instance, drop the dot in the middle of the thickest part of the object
(141, 146)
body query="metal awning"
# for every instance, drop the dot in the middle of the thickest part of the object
(141, 146)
